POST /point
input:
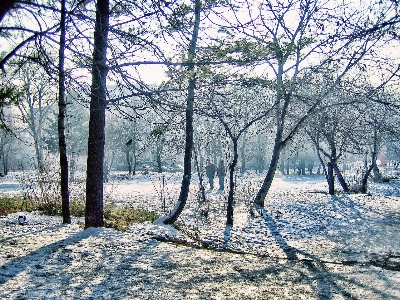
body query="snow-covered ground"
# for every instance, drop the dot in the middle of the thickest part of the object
(305, 245)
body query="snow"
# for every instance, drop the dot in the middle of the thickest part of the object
(305, 244)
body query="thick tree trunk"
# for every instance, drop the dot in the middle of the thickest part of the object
(187, 162)
(282, 104)
(94, 180)
(62, 109)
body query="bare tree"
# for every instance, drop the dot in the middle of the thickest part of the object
(333, 132)
(298, 42)
(35, 106)
(236, 115)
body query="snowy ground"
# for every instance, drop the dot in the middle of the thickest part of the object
(306, 245)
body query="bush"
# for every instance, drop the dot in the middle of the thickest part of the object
(121, 217)
(115, 216)
(12, 205)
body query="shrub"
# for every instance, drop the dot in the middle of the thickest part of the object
(121, 217)
(116, 217)
(12, 205)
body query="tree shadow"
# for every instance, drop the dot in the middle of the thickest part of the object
(149, 270)
(315, 266)
(227, 236)
(11, 269)
(55, 227)
(345, 201)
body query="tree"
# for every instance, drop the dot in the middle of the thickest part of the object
(62, 107)
(233, 110)
(299, 42)
(333, 132)
(35, 106)
(158, 133)
(96, 140)
(379, 126)
(187, 162)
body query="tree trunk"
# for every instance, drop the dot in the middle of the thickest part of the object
(229, 210)
(374, 156)
(330, 179)
(95, 160)
(201, 185)
(321, 162)
(282, 104)
(340, 178)
(288, 167)
(62, 109)
(187, 162)
(159, 150)
(377, 173)
(364, 181)
(262, 193)
(128, 159)
(243, 154)
(134, 164)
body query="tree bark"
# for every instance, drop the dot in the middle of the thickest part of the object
(95, 160)
(62, 109)
(187, 162)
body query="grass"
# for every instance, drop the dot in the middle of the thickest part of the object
(119, 218)
(12, 205)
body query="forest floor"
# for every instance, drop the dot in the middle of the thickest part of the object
(305, 245)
